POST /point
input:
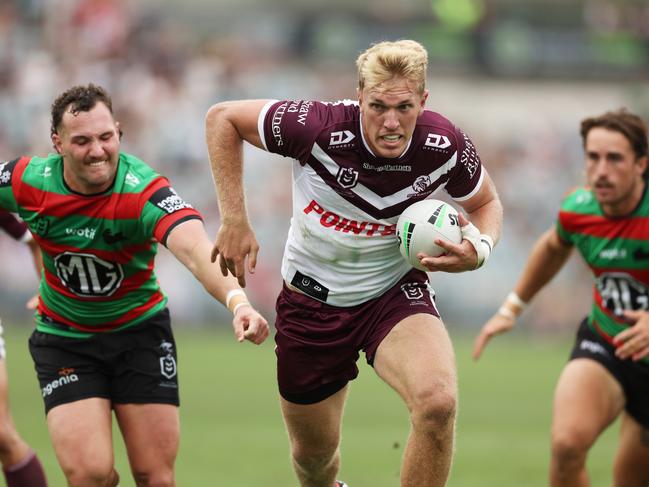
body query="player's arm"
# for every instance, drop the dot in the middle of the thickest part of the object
(37, 259)
(227, 125)
(480, 233)
(548, 256)
(189, 243)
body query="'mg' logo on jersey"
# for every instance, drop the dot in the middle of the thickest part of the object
(87, 275)
(621, 292)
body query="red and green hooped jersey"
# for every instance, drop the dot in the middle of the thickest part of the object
(617, 252)
(98, 250)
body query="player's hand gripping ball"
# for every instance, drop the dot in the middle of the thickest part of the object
(423, 222)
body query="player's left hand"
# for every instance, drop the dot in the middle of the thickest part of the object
(633, 342)
(457, 258)
(249, 325)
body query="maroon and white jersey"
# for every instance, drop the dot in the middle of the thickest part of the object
(342, 246)
(14, 227)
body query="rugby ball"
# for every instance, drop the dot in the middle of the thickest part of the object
(423, 222)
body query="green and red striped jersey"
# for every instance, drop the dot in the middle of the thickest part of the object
(617, 252)
(98, 250)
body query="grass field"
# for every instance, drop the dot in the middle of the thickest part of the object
(232, 432)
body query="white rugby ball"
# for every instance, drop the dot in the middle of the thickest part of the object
(423, 222)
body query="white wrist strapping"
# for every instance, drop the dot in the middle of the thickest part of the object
(482, 243)
(232, 293)
(516, 300)
(239, 305)
(507, 313)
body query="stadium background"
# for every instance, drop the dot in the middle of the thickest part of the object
(516, 76)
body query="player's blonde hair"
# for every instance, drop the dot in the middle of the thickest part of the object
(385, 60)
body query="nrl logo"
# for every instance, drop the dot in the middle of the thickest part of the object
(347, 177)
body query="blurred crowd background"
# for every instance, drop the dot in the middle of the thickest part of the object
(516, 76)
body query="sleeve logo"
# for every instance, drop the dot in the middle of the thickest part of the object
(168, 200)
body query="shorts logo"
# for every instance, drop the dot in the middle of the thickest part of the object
(67, 376)
(412, 290)
(592, 347)
(168, 362)
(347, 177)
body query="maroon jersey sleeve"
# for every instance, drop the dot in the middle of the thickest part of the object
(468, 168)
(290, 127)
(12, 225)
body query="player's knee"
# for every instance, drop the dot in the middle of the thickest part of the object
(434, 408)
(89, 474)
(314, 458)
(159, 477)
(569, 447)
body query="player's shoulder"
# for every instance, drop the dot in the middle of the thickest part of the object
(578, 199)
(137, 174)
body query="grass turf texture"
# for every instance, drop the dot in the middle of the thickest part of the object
(232, 431)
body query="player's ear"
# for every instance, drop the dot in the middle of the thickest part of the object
(56, 143)
(424, 97)
(642, 164)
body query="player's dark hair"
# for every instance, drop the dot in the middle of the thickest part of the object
(625, 122)
(79, 99)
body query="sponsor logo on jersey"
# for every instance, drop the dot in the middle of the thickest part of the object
(388, 167)
(5, 174)
(275, 125)
(111, 238)
(469, 157)
(302, 109)
(592, 347)
(640, 254)
(67, 376)
(341, 139)
(87, 275)
(347, 177)
(612, 254)
(437, 141)
(329, 219)
(167, 199)
(621, 292)
(88, 233)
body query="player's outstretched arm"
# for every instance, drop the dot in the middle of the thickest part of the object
(191, 246)
(227, 125)
(548, 256)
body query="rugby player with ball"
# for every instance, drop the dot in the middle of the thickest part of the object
(357, 165)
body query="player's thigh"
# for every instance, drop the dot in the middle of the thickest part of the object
(416, 358)
(631, 467)
(587, 399)
(151, 434)
(316, 426)
(81, 433)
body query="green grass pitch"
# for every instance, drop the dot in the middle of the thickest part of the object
(232, 431)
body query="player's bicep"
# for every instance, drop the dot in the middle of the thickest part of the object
(242, 115)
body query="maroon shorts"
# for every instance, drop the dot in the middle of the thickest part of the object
(318, 344)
